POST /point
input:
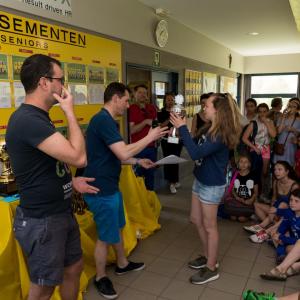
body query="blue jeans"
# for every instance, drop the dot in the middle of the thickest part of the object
(148, 174)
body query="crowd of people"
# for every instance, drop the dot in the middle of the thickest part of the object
(260, 148)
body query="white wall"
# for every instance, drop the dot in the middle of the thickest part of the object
(272, 64)
(130, 20)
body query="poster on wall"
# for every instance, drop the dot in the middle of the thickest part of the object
(112, 75)
(5, 95)
(228, 85)
(96, 93)
(3, 67)
(76, 73)
(79, 92)
(19, 93)
(96, 74)
(17, 62)
(209, 82)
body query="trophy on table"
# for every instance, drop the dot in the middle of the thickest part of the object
(179, 110)
(7, 178)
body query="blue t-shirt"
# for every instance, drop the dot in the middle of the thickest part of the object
(290, 224)
(102, 164)
(211, 158)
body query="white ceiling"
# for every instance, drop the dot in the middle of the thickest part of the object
(228, 22)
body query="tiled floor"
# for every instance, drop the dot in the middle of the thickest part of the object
(167, 252)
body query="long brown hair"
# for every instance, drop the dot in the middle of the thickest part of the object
(227, 121)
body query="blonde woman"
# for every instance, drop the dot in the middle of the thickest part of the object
(211, 156)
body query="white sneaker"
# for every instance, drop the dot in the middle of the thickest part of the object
(177, 185)
(253, 228)
(259, 237)
(173, 189)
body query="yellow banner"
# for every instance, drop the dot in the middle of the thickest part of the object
(21, 35)
(90, 63)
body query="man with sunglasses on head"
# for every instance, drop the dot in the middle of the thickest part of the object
(44, 224)
(141, 116)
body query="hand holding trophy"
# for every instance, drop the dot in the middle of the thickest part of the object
(177, 109)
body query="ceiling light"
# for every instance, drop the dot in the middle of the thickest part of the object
(295, 6)
(253, 33)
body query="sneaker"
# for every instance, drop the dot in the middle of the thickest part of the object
(259, 237)
(253, 228)
(177, 185)
(173, 188)
(105, 288)
(252, 295)
(132, 266)
(204, 275)
(199, 263)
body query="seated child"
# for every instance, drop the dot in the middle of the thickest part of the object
(284, 183)
(239, 203)
(289, 229)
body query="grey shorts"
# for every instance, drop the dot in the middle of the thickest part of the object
(50, 244)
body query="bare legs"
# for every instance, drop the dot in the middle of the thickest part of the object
(68, 289)
(204, 216)
(100, 254)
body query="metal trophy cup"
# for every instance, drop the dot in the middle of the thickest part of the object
(7, 178)
(179, 110)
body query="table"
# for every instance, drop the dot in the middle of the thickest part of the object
(142, 209)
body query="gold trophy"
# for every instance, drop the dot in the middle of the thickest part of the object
(7, 178)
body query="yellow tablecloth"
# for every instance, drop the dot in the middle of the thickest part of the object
(142, 210)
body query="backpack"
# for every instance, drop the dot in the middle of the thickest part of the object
(242, 147)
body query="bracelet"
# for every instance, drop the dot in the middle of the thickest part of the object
(137, 161)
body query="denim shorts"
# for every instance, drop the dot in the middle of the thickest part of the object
(108, 214)
(50, 244)
(208, 194)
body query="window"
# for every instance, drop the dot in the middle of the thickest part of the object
(266, 87)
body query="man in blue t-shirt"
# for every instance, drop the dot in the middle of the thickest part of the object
(106, 151)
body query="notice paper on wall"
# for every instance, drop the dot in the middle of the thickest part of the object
(5, 95)
(19, 93)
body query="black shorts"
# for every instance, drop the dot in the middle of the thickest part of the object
(50, 244)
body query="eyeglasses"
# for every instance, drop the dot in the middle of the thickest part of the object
(61, 79)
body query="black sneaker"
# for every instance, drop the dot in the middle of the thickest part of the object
(132, 266)
(204, 275)
(105, 288)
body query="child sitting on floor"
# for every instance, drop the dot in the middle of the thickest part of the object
(289, 229)
(239, 203)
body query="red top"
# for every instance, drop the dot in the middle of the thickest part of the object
(138, 115)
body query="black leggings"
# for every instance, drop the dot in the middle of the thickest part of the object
(171, 172)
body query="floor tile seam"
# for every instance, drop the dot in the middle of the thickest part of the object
(220, 290)
(135, 289)
(248, 278)
(143, 291)
(170, 259)
(252, 260)
(203, 290)
(170, 277)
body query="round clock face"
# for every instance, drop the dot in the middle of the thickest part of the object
(161, 33)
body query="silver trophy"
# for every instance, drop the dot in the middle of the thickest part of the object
(179, 110)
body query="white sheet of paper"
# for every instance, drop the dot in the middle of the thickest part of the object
(171, 159)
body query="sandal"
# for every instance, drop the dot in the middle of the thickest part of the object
(274, 274)
(291, 271)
